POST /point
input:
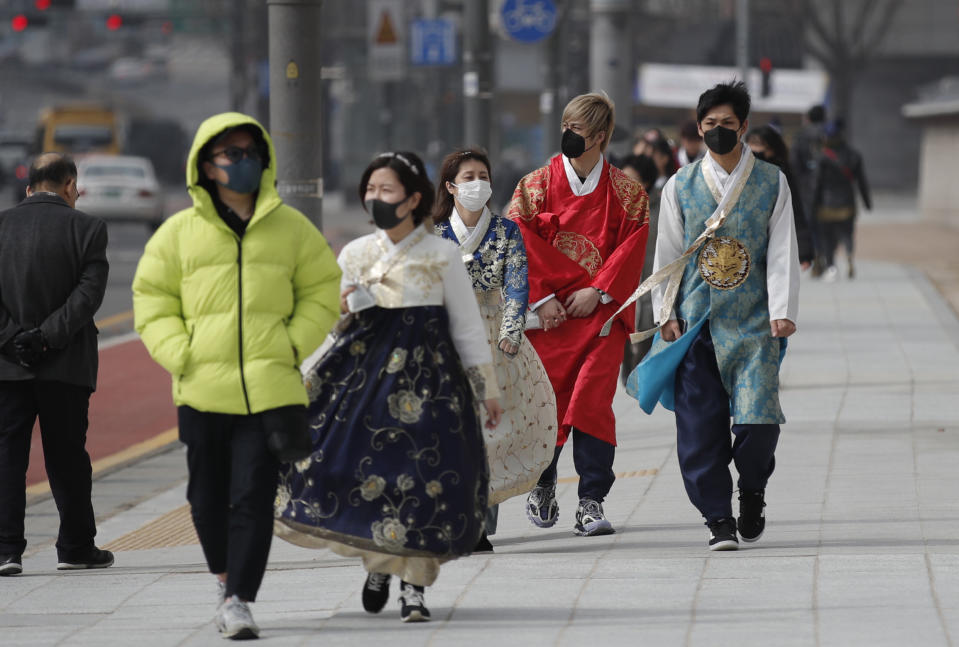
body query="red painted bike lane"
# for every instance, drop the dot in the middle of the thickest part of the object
(132, 404)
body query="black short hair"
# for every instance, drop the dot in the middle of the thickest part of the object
(689, 130)
(411, 171)
(816, 114)
(733, 93)
(645, 167)
(53, 169)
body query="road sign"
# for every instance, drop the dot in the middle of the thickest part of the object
(528, 20)
(433, 42)
(387, 56)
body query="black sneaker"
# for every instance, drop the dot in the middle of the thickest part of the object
(722, 534)
(412, 604)
(541, 506)
(483, 545)
(95, 558)
(376, 591)
(10, 565)
(752, 515)
(590, 520)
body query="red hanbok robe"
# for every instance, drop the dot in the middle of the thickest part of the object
(573, 242)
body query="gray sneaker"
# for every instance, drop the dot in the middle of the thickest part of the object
(235, 621)
(541, 506)
(590, 520)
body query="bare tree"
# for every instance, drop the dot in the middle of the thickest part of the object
(843, 36)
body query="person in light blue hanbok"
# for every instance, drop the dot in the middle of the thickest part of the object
(521, 446)
(717, 355)
(398, 475)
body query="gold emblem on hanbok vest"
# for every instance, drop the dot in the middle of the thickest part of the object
(724, 263)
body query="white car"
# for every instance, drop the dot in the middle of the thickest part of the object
(119, 188)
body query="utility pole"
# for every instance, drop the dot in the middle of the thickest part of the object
(549, 108)
(296, 114)
(238, 54)
(742, 40)
(477, 74)
(610, 61)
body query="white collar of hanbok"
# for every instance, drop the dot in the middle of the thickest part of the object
(718, 180)
(592, 180)
(727, 187)
(469, 241)
(392, 252)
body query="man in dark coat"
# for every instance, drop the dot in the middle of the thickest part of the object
(53, 273)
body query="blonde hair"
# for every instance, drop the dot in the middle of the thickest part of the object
(596, 111)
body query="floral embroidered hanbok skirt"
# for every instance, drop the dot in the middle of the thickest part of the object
(523, 443)
(399, 473)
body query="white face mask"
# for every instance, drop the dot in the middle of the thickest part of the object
(473, 195)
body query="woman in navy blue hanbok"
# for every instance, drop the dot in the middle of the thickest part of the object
(399, 474)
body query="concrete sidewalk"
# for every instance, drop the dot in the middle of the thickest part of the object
(861, 547)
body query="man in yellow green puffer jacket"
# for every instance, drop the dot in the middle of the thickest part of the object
(230, 296)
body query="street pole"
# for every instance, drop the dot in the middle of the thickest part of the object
(296, 114)
(742, 39)
(477, 74)
(609, 56)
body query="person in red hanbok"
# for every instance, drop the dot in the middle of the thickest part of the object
(584, 225)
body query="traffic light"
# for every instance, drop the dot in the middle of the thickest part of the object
(766, 67)
(41, 5)
(19, 22)
(114, 21)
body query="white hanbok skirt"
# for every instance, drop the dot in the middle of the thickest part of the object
(522, 445)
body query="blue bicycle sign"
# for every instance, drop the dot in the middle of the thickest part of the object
(528, 20)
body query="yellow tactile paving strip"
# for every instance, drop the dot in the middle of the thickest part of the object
(175, 528)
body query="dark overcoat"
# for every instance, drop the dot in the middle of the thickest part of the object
(53, 274)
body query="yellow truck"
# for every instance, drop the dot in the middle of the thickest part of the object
(78, 129)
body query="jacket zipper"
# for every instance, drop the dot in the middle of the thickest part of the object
(239, 306)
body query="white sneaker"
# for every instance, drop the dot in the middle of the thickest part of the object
(831, 274)
(235, 621)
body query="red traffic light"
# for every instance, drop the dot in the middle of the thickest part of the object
(41, 5)
(766, 64)
(19, 22)
(114, 21)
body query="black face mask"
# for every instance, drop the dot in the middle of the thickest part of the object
(721, 140)
(573, 145)
(384, 213)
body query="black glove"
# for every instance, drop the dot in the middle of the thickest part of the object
(29, 348)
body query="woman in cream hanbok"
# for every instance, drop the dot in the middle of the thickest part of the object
(398, 475)
(521, 446)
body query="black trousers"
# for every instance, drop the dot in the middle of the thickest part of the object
(703, 442)
(231, 490)
(593, 460)
(62, 409)
(835, 234)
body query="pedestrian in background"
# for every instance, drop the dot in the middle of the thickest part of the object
(229, 296)
(53, 275)
(691, 147)
(768, 145)
(398, 475)
(643, 169)
(521, 446)
(839, 172)
(804, 159)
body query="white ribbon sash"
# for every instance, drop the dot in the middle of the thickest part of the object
(673, 272)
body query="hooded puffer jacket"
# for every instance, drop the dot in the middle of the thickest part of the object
(231, 318)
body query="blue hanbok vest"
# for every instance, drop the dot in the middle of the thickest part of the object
(747, 354)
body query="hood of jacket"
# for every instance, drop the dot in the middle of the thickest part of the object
(267, 197)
